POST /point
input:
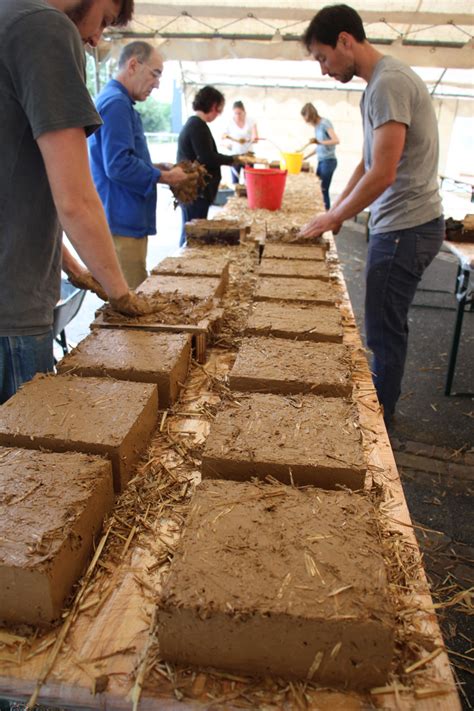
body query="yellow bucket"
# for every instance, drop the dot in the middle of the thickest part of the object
(292, 162)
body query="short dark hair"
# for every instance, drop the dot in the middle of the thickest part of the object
(139, 49)
(238, 105)
(206, 98)
(81, 9)
(125, 14)
(326, 26)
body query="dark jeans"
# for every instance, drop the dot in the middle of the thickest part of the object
(21, 357)
(395, 264)
(325, 171)
(195, 210)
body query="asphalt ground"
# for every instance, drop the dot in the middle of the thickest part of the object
(433, 442)
(424, 413)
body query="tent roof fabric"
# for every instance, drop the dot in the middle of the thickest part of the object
(423, 33)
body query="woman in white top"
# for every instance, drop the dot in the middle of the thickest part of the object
(241, 133)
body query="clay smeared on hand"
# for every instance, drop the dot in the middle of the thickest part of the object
(85, 280)
(187, 191)
(132, 304)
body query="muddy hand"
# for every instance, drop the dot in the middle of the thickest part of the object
(85, 280)
(174, 177)
(132, 304)
(323, 222)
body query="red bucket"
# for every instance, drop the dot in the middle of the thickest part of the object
(265, 187)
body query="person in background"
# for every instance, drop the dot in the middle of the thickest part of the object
(397, 177)
(326, 142)
(45, 180)
(196, 142)
(123, 172)
(241, 133)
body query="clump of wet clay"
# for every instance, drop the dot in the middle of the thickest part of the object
(51, 509)
(190, 189)
(305, 439)
(170, 309)
(270, 580)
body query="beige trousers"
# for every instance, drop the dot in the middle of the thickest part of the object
(131, 253)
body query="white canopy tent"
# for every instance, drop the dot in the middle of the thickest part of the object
(424, 32)
(230, 45)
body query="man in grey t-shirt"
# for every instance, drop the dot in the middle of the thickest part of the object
(45, 181)
(397, 178)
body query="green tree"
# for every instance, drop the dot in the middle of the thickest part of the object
(156, 116)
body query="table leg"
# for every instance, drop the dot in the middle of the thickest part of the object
(462, 285)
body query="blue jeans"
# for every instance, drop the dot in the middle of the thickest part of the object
(195, 210)
(395, 264)
(325, 171)
(21, 357)
(235, 173)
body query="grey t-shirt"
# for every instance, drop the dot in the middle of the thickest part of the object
(396, 93)
(42, 89)
(321, 132)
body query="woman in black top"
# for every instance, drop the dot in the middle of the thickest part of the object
(196, 142)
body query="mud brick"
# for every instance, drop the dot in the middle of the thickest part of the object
(298, 268)
(313, 291)
(294, 251)
(141, 356)
(52, 509)
(64, 413)
(275, 581)
(302, 438)
(277, 365)
(191, 286)
(302, 322)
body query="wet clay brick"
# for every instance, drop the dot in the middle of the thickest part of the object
(195, 264)
(313, 291)
(92, 415)
(198, 287)
(140, 356)
(275, 581)
(304, 438)
(52, 508)
(299, 268)
(277, 365)
(293, 251)
(303, 322)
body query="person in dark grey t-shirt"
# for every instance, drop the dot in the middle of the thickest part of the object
(45, 181)
(397, 178)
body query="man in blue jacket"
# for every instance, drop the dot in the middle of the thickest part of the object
(123, 172)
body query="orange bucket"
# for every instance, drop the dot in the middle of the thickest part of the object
(265, 187)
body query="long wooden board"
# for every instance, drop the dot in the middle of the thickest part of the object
(108, 638)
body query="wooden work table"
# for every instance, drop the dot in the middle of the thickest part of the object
(108, 636)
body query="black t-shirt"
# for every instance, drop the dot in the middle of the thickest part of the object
(42, 89)
(196, 142)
